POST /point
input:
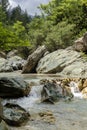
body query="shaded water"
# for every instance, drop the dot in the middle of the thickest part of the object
(69, 115)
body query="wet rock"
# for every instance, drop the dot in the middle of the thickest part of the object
(33, 59)
(47, 117)
(13, 87)
(4, 126)
(54, 91)
(15, 115)
(57, 61)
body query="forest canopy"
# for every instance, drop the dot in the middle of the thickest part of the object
(60, 23)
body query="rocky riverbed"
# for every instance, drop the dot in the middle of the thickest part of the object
(62, 115)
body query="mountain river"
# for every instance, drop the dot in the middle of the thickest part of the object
(63, 115)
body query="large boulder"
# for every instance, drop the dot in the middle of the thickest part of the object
(81, 43)
(15, 115)
(53, 91)
(33, 59)
(77, 68)
(57, 61)
(13, 87)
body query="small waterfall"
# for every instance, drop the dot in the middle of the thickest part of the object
(75, 90)
(28, 102)
(35, 96)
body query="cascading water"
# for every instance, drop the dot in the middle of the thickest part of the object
(75, 90)
(28, 102)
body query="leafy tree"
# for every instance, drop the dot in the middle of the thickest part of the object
(60, 36)
(16, 14)
(2, 15)
(12, 37)
(4, 4)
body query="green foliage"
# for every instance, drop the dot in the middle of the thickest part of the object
(2, 15)
(10, 37)
(61, 36)
(84, 55)
(61, 22)
(72, 10)
(4, 4)
(38, 31)
(17, 14)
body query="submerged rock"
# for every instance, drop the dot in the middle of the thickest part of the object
(47, 117)
(33, 59)
(15, 115)
(13, 87)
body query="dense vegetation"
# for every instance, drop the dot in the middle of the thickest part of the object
(61, 22)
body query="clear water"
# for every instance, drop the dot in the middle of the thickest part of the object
(69, 115)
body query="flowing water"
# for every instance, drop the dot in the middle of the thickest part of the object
(66, 115)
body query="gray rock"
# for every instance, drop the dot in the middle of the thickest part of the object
(13, 87)
(16, 62)
(12, 53)
(3, 126)
(2, 63)
(57, 61)
(76, 69)
(33, 59)
(2, 54)
(50, 93)
(11, 64)
(53, 91)
(81, 43)
(15, 115)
